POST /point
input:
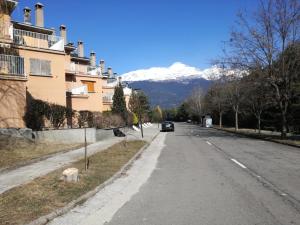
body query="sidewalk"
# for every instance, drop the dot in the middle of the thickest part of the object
(27, 173)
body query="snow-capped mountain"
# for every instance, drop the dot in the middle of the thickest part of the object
(170, 86)
(177, 71)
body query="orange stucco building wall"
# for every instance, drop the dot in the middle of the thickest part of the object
(12, 103)
(52, 87)
(46, 88)
(92, 101)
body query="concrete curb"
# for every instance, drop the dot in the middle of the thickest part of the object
(47, 218)
(257, 137)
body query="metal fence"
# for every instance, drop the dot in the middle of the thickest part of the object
(38, 40)
(83, 69)
(11, 65)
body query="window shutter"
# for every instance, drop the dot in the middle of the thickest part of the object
(90, 85)
(40, 67)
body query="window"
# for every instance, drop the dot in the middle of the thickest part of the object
(90, 85)
(70, 78)
(40, 67)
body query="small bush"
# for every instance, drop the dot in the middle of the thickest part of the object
(35, 114)
(135, 119)
(38, 112)
(108, 120)
(85, 117)
(57, 115)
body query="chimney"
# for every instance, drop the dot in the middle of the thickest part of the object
(110, 72)
(27, 15)
(39, 15)
(102, 66)
(93, 59)
(63, 33)
(80, 49)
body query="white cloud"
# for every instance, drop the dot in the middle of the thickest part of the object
(176, 71)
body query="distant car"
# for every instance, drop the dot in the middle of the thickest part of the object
(189, 121)
(167, 126)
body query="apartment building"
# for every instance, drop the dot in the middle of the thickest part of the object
(37, 63)
(108, 87)
(12, 74)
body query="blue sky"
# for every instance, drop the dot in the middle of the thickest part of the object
(136, 34)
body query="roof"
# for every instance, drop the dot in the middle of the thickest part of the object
(70, 47)
(33, 28)
(74, 56)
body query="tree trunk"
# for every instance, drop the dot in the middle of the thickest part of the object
(236, 120)
(283, 125)
(220, 119)
(258, 123)
(141, 124)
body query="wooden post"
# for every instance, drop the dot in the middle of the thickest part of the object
(85, 151)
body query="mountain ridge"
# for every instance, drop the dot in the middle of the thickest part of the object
(169, 93)
(170, 86)
(176, 71)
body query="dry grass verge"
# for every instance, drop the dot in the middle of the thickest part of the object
(15, 151)
(266, 135)
(46, 194)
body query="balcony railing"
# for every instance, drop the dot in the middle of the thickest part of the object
(38, 40)
(107, 98)
(78, 89)
(11, 65)
(83, 70)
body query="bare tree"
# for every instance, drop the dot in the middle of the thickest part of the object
(195, 102)
(216, 100)
(258, 96)
(261, 41)
(234, 93)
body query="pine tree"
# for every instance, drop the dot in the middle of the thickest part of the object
(119, 104)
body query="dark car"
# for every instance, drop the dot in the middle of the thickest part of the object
(167, 126)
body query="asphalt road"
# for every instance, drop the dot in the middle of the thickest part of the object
(208, 177)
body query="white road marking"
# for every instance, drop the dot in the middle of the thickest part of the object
(240, 164)
(208, 143)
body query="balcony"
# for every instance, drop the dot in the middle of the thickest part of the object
(11, 66)
(77, 89)
(107, 98)
(37, 40)
(84, 70)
